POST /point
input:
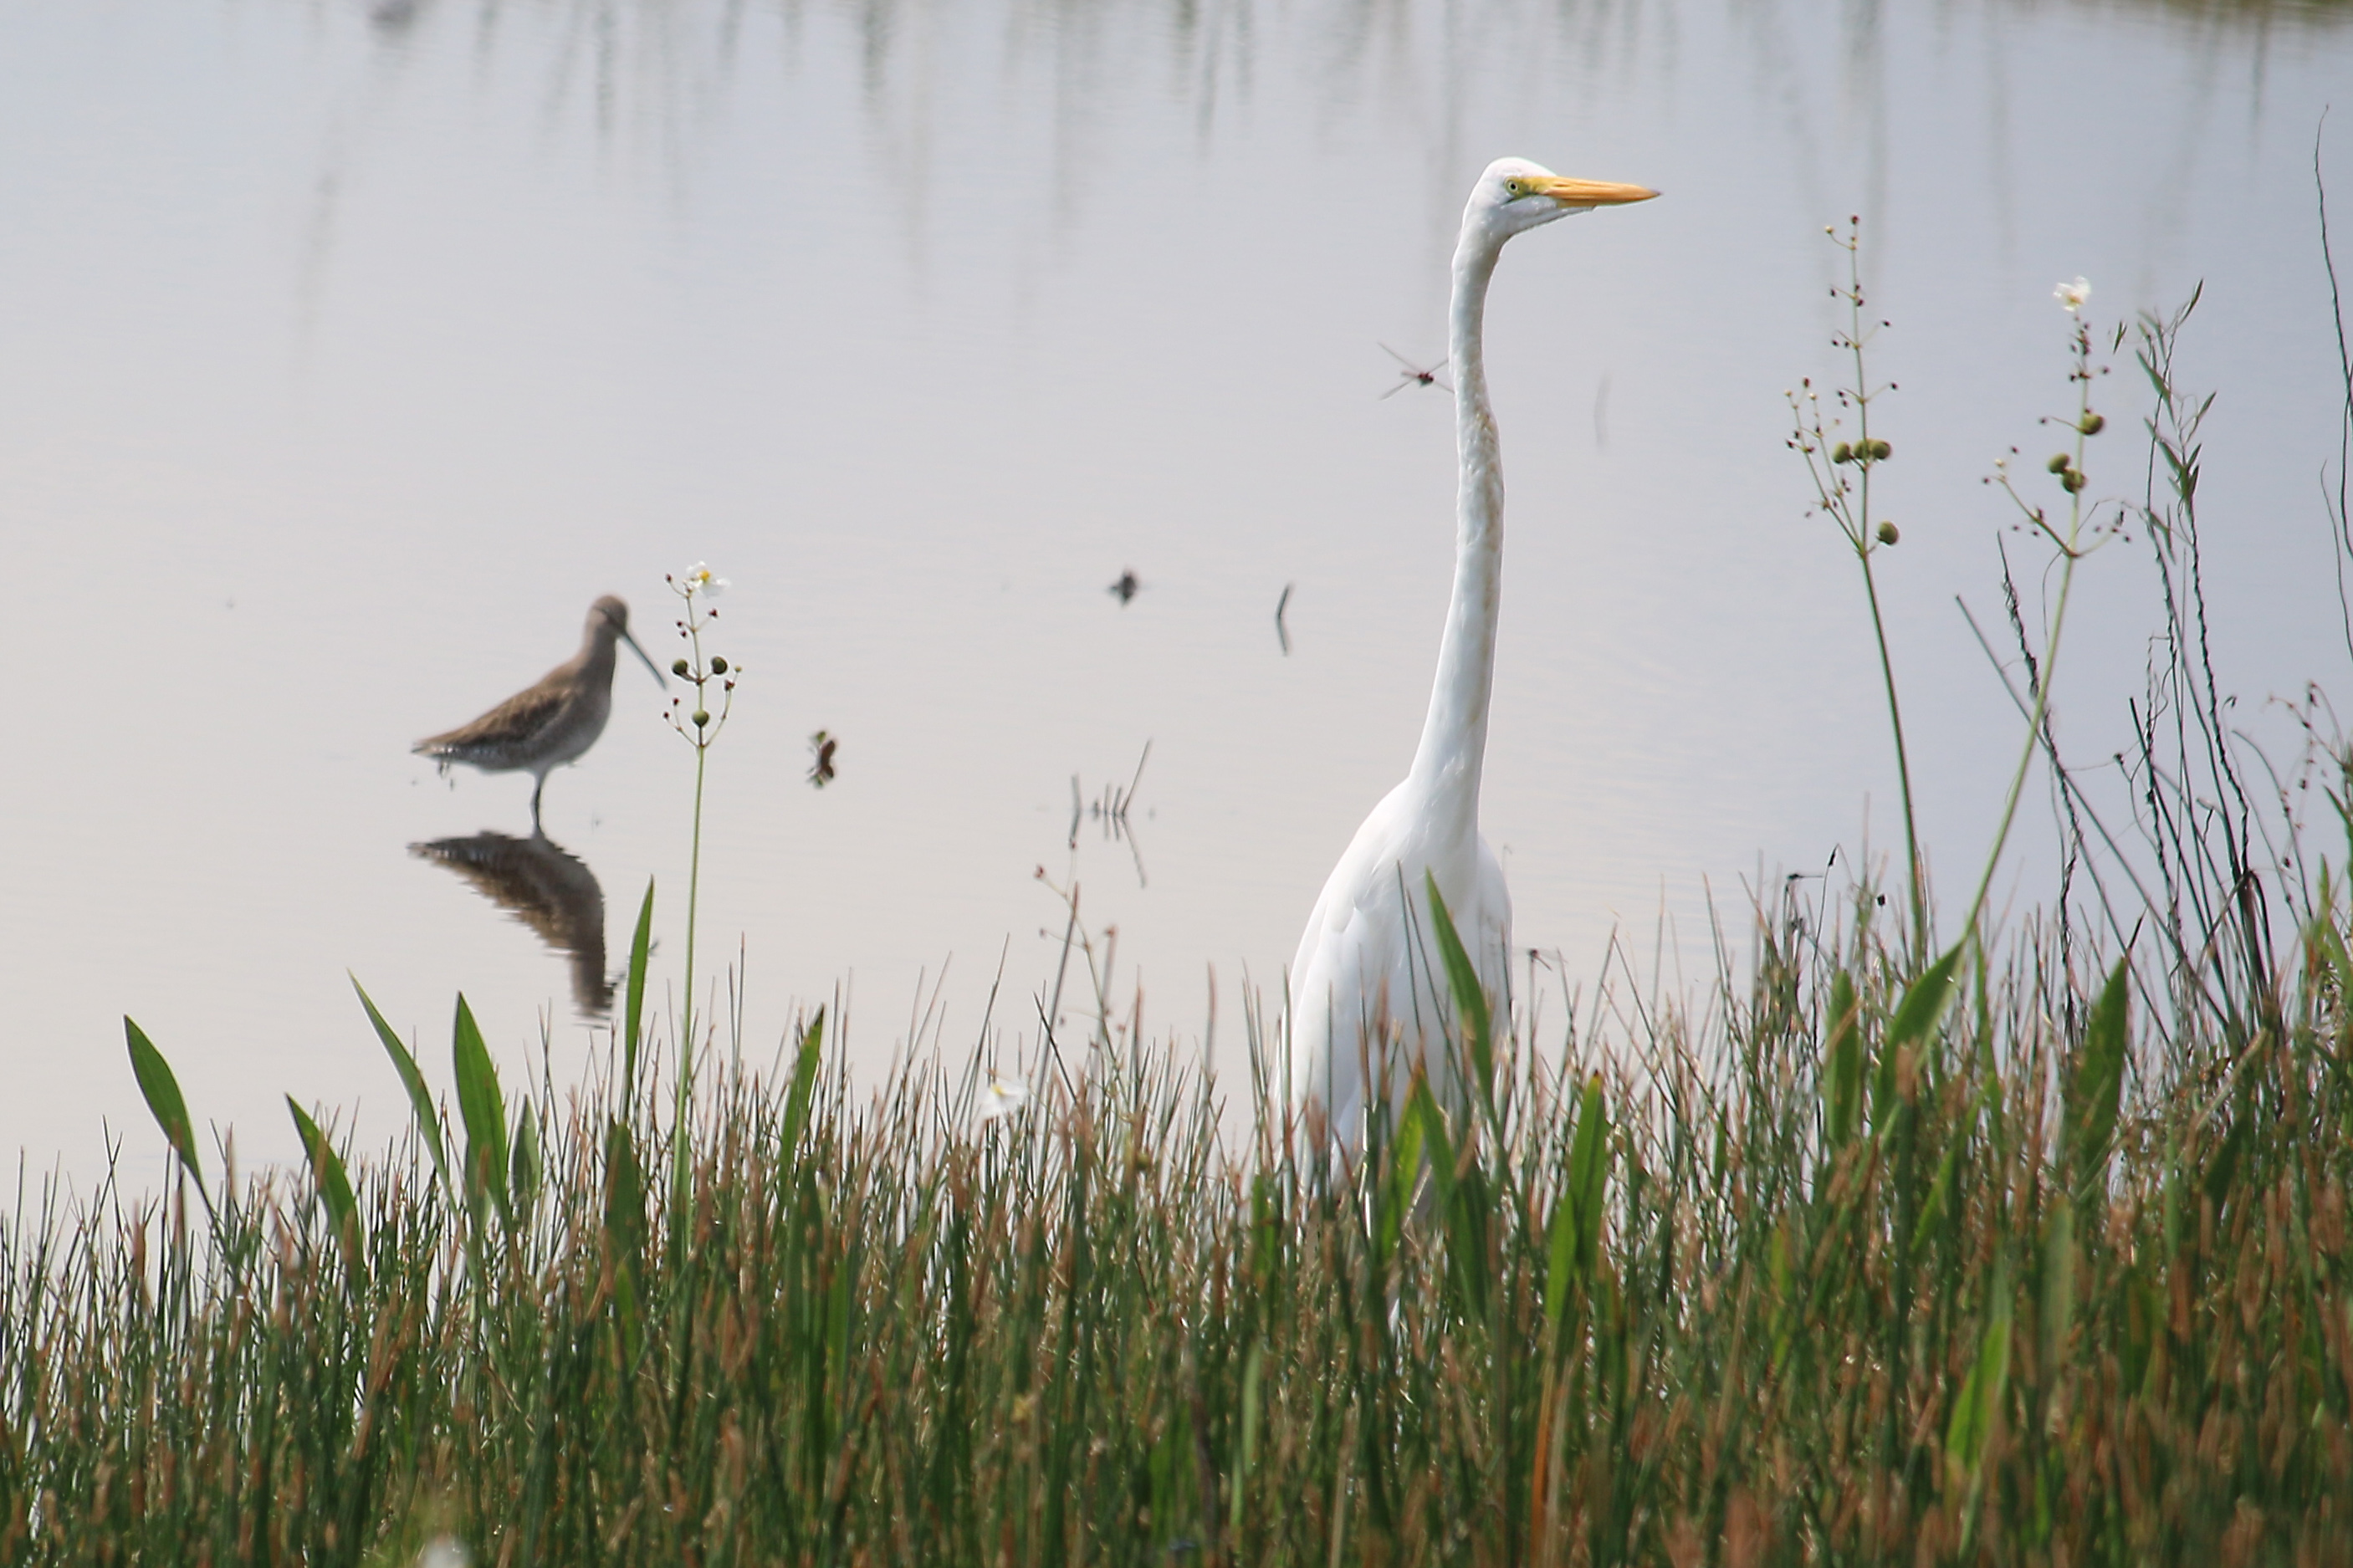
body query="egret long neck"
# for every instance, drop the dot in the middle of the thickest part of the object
(1446, 768)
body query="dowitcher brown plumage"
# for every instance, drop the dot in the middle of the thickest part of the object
(553, 722)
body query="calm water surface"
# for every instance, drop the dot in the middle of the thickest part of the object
(348, 352)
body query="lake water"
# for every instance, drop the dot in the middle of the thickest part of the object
(348, 352)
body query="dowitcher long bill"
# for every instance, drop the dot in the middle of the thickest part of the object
(553, 721)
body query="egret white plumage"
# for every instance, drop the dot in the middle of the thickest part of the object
(1367, 983)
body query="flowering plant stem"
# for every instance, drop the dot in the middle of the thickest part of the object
(1895, 722)
(1847, 502)
(679, 1151)
(700, 727)
(2070, 541)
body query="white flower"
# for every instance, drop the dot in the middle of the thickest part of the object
(1002, 1097)
(2073, 295)
(701, 579)
(443, 1552)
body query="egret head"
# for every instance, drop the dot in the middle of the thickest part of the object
(1515, 194)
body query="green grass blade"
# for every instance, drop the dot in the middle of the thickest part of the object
(2324, 924)
(522, 1176)
(1469, 998)
(1982, 1392)
(634, 1008)
(624, 1190)
(162, 1091)
(1561, 1267)
(625, 1227)
(1459, 1203)
(1940, 1189)
(1924, 1001)
(1917, 1017)
(2057, 1313)
(1436, 1144)
(1588, 1176)
(335, 1187)
(1575, 1230)
(1842, 1085)
(1246, 1453)
(797, 1102)
(420, 1099)
(483, 1110)
(2096, 1086)
(1404, 1174)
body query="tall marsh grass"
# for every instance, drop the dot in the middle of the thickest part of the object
(1824, 1278)
(2036, 1252)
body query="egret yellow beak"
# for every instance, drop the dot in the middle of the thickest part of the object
(1588, 193)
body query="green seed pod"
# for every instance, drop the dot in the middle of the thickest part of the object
(678, 666)
(2072, 480)
(1842, 453)
(702, 717)
(1880, 451)
(718, 666)
(1887, 534)
(2093, 424)
(2059, 463)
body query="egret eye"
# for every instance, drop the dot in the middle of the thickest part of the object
(1515, 189)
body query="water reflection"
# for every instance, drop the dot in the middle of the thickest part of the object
(1109, 810)
(548, 888)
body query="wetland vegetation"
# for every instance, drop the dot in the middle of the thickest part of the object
(2029, 1247)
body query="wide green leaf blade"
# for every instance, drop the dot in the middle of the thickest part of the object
(420, 1099)
(483, 1110)
(335, 1186)
(625, 1226)
(1588, 1175)
(2097, 1086)
(1437, 1146)
(1404, 1175)
(2322, 936)
(1982, 1392)
(522, 1176)
(1568, 1264)
(2057, 1313)
(1843, 1086)
(634, 1008)
(1470, 999)
(1246, 1452)
(797, 1102)
(1924, 1001)
(1917, 1017)
(163, 1095)
(1560, 1265)
(624, 1190)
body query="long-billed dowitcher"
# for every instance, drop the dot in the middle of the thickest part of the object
(553, 721)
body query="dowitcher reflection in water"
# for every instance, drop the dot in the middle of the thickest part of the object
(553, 721)
(548, 888)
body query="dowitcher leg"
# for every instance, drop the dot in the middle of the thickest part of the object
(539, 782)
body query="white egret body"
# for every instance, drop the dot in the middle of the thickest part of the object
(1368, 969)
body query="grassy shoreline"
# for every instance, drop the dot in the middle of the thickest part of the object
(1809, 1282)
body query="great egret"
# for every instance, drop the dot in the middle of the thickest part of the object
(1368, 974)
(552, 720)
